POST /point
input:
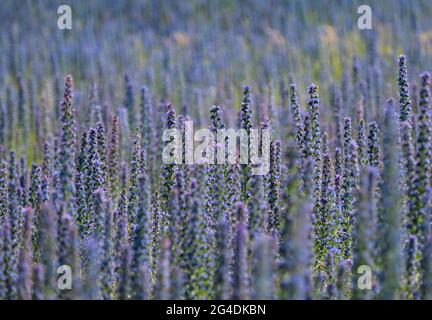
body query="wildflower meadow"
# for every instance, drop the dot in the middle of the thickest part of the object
(205, 150)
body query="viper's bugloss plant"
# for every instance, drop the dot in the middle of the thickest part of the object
(362, 143)
(338, 174)
(274, 187)
(297, 252)
(4, 207)
(168, 170)
(296, 111)
(409, 170)
(364, 228)
(241, 278)
(114, 161)
(390, 207)
(349, 185)
(129, 101)
(263, 269)
(122, 231)
(223, 276)
(83, 155)
(48, 250)
(404, 100)
(373, 145)
(14, 221)
(426, 268)
(22, 184)
(231, 193)
(107, 259)
(92, 270)
(135, 168)
(422, 158)
(124, 270)
(141, 239)
(102, 151)
(46, 172)
(38, 282)
(323, 219)
(315, 122)
(35, 187)
(67, 144)
(82, 187)
(69, 253)
(215, 178)
(246, 124)
(24, 282)
(3, 275)
(198, 252)
(146, 114)
(162, 288)
(411, 268)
